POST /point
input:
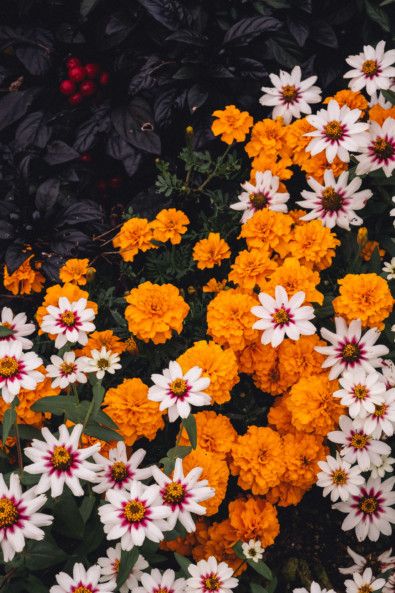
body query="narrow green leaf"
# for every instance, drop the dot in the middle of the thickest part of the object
(8, 421)
(86, 507)
(128, 560)
(378, 15)
(259, 567)
(98, 395)
(255, 588)
(102, 432)
(190, 426)
(389, 95)
(183, 563)
(5, 331)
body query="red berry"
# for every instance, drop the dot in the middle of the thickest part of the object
(88, 88)
(67, 87)
(86, 157)
(104, 78)
(73, 62)
(115, 182)
(92, 70)
(101, 185)
(76, 99)
(77, 74)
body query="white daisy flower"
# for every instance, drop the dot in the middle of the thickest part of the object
(357, 445)
(335, 202)
(209, 575)
(102, 362)
(118, 471)
(384, 562)
(350, 349)
(338, 478)
(67, 370)
(253, 550)
(134, 515)
(392, 212)
(280, 317)
(19, 327)
(337, 131)
(17, 370)
(60, 462)
(109, 567)
(382, 419)
(82, 581)
(19, 519)
(290, 95)
(70, 322)
(388, 371)
(315, 588)
(385, 466)
(365, 582)
(389, 269)
(176, 392)
(372, 68)
(182, 494)
(158, 582)
(361, 391)
(379, 150)
(370, 512)
(263, 194)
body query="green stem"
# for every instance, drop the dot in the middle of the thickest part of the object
(18, 445)
(214, 171)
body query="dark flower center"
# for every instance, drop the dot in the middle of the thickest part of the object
(174, 493)
(382, 148)
(334, 130)
(370, 67)
(368, 504)
(331, 200)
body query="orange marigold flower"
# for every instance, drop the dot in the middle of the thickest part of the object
(230, 321)
(135, 415)
(215, 471)
(279, 415)
(169, 225)
(221, 538)
(353, 99)
(214, 285)
(267, 376)
(105, 338)
(366, 297)
(295, 277)
(268, 139)
(257, 459)
(379, 114)
(135, 235)
(278, 168)
(219, 364)
(74, 271)
(256, 357)
(24, 280)
(314, 245)
(267, 229)
(231, 124)
(53, 294)
(285, 494)
(296, 215)
(299, 358)
(188, 544)
(214, 431)
(312, 405)
(368, 249)
(155, 311)
(254, 518)
(211, 251)
(251, 268)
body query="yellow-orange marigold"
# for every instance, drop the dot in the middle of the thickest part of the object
(251, 268)
(254, 518)
(368, 249)
(105, 338)
(169, 225)
(214, 285)
(264, 361)
(135, 235)
(295, 277)
(279, 416)
(379, 114)
(268, 138)
(215, 471)
(74, 271)
(231, 124)
(24, 280)
(279, 168)
(353, 100)
(314, 245)
(187, 545)
(211, 251)
(221, 538)
(267, 229)
(215, 433)
(299, 358)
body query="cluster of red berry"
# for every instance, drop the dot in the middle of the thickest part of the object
(83, 80)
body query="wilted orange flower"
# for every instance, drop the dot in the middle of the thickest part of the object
(214, 431)
(219, 364)
(299, 358)
(211, 251)
(24, 280)
(214, 285)
(169, 225)
(279, 416)
(155, 311)
(134, 414)
(295, 277)
(221, 538)
(254, 518)
(74, 271)
(215, 471)
(366, 297)
(257, 459)
(353, 99)
(267, 229)
(230, 321)
(135, 235)
(251, 268)
(379, 114)
(312, 405)
(231, 124)
(105, 338)
(53, 294)
(368, 249)
(314, 245)
(268, 139)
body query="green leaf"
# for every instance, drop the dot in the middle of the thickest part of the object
(102, 418)
(68, 520)
(5, 331)
(8, 421)
(58, 405)
(180, 451)
(119, 320)
(86, 507)
(389, 95)
(98, 395)
(102, 432)
(259, 567)
(378, 15)
(190, 426)
(374, 263)
(255, 588)
(183, 563)
(128, 560)
(43, 555)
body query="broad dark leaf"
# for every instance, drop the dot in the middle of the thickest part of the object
(15, 256)
(148, 75)
(170, 13)
(248, 28)
(70, 34)
(197, 96)
(59, 152)
(188, 37)
(33, 130)
(87, 6)
(378, 15)
(324, 33)
(81, 212)
(6, 230)
(44, 554)
(298, 28)
(281, 55)
(88, 132)
(51, 264)
(121, 150)
(36, 50)
(14, 105)
(8, 421)
(70, 243)
(163, 107)
(47, 194)
(128, 560)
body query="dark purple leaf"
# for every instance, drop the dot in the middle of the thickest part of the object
(197, 96)
(47, 194)
(81, 212)
(169, 13)
(88, 132)
(323, 33)
(188, 37)
(70, 242)
(59, 152)
(33, 130)
(163, 107)
(15, 256)
(298, 28)
(243, 31)
(6, 230)
(14, 105)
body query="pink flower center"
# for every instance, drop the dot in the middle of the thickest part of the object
(179, 388)
(281, 317)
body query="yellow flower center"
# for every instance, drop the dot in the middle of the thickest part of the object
(258, 200)
(8, 513)
(82, 589)
(103, 363)
(360, 391)
(178, 387)
(365, 589)
(119, 471)
(368, 504)
(6, 324)
(280, 317)
(331, 200)
(334, 130)
(289, 93)
(8, 366)
(67, 368)
(174, 493)
(68, 318)
(61, 458)
(382, 148)
(134, 511)
(339, 477)
(370, 67)
(350, 352)
(380, 410)
(358, 440)
(212, 583)
(115, 565)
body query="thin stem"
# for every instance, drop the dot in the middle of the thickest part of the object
(238, 567)
(214, 171)
(107, 232)
(18, 446)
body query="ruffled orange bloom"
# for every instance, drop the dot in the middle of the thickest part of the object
(221, 538)
(155, 311)
(254, 518)
(298, 359)
(211, 251)
(295, 277)
(267, 229)
(219, 364)
(134, 414)
(215, 433)
(353, 99)
(169, 225)
(368, 248)
(279, 416)
(24, 280)
(230, 321)
(257, 459)
(268, 139)
(135, 235)
(53, 294)
(312, 405)
(263, 362)
(75, 271)
(105, 338)
(251, 268)
(366, 297)
(296, 215)
(215, 471)
(186, 546)
(256, 357)
(231, 124)
(314, 245)
(379, 114)
(278, 168)
(214, 285)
